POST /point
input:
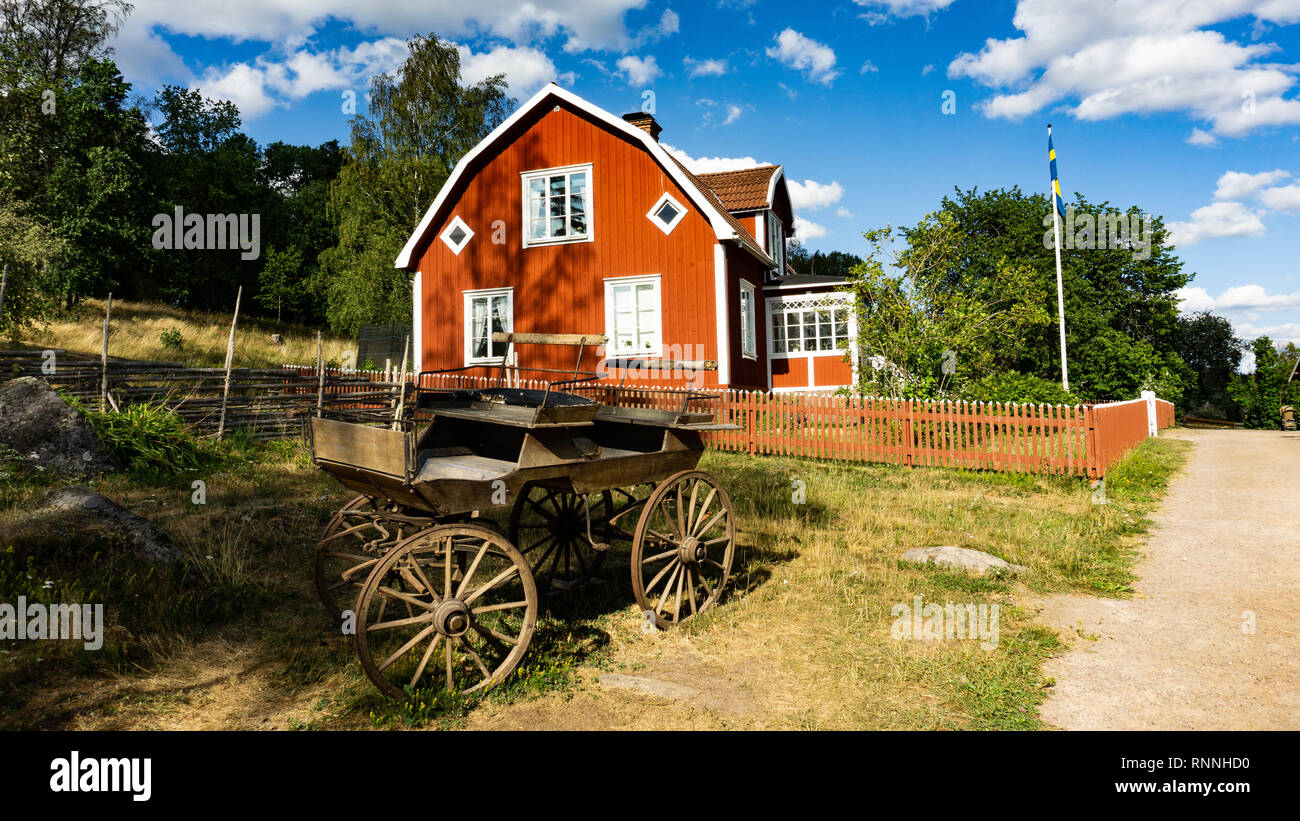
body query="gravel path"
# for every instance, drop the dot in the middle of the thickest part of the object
(1183, 652)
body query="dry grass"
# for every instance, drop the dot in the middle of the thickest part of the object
(138, 328)
(803, 642)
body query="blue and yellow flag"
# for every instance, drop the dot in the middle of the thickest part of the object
(1056, 182)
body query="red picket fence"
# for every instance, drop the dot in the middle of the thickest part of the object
(1080, 440)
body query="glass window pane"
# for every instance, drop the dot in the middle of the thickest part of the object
(557, 186)
(578, 224)
(538, 230)
(537, 186)
(578, 182)
(557, 227)
(557, 207)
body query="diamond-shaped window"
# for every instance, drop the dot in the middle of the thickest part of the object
(457, 235)
(666, 213)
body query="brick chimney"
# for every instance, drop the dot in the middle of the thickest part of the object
(645, 122)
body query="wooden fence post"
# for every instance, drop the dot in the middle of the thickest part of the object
(103, 356)
(401, 377)
(230, 358)
(4, 285)
(320, 375)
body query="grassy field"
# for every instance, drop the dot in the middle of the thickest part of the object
(236, 638)
(140, 330)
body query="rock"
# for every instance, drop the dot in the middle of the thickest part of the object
(82, 511)
(276, 339)
(47, 432)
(963, 558)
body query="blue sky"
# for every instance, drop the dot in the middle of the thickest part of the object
(1187, 108)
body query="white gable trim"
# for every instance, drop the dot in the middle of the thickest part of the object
(777, 176)
(721, 228)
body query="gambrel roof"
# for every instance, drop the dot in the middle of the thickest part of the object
(725, 227)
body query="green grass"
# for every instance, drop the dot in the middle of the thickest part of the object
(806, 628)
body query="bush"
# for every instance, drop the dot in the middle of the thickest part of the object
(147, 437)
(1011, 386)
(172, 339)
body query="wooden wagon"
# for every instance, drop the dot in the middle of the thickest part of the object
(443, 599)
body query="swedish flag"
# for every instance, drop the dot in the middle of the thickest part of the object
(1056, 182)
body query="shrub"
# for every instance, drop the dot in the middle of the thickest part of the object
(172, 339)
(1010, 386)
(146, 437)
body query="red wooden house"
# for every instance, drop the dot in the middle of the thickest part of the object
(569, 219)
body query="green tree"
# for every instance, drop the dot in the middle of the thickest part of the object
(280, 284)
(420, 123)
(1262, 392)
(27, 249)
(820, 263)
(927, 334)
(1212, 351)
(1121, 312)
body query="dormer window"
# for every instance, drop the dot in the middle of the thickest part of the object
(666, 213)
(776, 243)
(557, 205)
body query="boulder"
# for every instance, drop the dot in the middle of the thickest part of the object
(46, 432)
(73, 513)
(963, 558)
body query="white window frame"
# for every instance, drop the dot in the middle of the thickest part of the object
(748, 335)
(775, 241)
(814, 302)
(526, 176)
(666, 227)
(468, 298)
(456, 221)
(610, 350)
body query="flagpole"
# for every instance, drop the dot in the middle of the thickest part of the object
(1060, 288)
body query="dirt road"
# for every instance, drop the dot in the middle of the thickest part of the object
(1211, 640)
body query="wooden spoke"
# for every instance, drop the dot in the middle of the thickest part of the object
(355, 539)
(683, 548)
(480, 631)
(555, 522)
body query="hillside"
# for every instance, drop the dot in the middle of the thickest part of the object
(139, 329)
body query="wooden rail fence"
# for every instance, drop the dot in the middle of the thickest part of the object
(1080, 440)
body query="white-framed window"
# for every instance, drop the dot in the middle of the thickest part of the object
(633, 316)
(776, 242)
(457, 235)
(487, 312)
(809, 325)
(748, 331)
(557, 205)
(666, 213)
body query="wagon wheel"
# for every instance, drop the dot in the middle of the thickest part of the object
(550, 527)
(685, 542)
(355, 538)
(423, 621)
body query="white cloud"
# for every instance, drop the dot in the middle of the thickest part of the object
(526, 69)
(1202, 138)
(811, 195)
(868, 67)
(806, 229)
(639, 71)
(843, 213)
(1120, 57)
(1255, 298)
(711, 165)
(1194, 300)
(1236, 185)
(926, 69)
(584, 24)
(704, 68)
(733, 113)
(1219, 219)
(1283, 198)
(882, 10)
(815, 59)
(265, 83)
